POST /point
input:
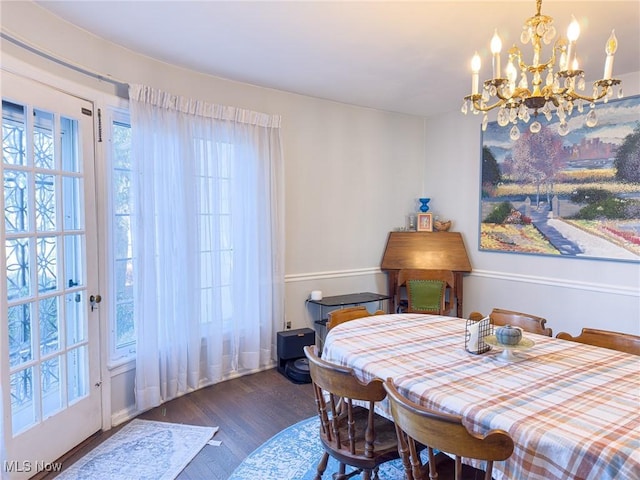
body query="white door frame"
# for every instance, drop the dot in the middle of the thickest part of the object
(100, 99)
(103, 101)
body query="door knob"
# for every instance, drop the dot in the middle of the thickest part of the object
(94, 299)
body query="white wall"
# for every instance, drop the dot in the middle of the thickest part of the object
(350, 178)
(352, 174)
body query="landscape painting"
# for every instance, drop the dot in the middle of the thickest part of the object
(572, 196)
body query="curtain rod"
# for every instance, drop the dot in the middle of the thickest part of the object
(11, 37)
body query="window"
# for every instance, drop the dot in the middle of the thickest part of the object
(216, 226)
(123, 331)
(215, 220)
(24, 234)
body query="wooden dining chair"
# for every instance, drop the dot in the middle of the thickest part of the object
(354, 435)
(417, 425)
(336, 317)
(428, 291)
(623, 342)
(527, 322)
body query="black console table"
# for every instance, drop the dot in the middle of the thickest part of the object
(341, 301)
(347, 300)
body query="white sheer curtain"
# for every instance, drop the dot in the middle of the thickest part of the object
(207, 240)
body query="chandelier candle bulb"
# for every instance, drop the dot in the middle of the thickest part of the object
(563, 64)
(573, 32)
(475, 68)
(575, 66)
(496, 47)
(610, 49)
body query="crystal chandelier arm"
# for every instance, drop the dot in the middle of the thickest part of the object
(517, 97)
(601, 86)
(558, 48)
(480, 106)
(516, 54)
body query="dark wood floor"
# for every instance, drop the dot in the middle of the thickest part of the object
(249, 410)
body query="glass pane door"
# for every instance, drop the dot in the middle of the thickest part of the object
(50, 363)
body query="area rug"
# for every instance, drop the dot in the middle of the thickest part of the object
(294, 453)
(141, 450)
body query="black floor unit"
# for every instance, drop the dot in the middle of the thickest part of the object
(291, 360)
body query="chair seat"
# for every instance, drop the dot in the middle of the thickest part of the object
(386, 442)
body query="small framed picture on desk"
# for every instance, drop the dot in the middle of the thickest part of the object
(425, 222)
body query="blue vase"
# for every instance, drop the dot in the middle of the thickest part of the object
(424, 204)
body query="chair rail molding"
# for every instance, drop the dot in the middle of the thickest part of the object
(627, 291)
(623, 290)
(356, 272)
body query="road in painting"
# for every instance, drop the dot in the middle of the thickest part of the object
(572, 196)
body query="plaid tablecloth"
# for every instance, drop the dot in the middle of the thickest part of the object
(572, 410)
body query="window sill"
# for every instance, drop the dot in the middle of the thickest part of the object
(121, 365)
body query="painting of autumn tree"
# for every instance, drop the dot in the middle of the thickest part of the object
(574, 196)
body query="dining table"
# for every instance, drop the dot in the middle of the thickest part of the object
(573, 410)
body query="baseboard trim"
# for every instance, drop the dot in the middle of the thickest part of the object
(124, 416)
(132, 412)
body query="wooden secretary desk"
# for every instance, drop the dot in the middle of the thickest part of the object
(425, 251)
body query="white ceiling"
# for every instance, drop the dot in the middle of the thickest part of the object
(410, 56)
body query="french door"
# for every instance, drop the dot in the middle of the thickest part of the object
(49, 328)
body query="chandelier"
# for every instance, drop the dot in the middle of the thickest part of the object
(556, 82)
